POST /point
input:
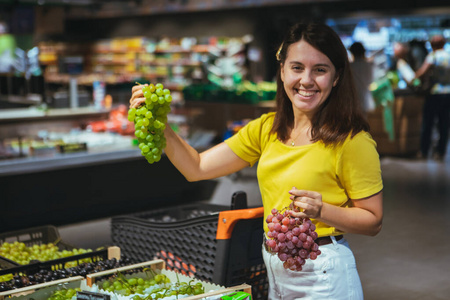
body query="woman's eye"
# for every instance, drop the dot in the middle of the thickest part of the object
(321, 70)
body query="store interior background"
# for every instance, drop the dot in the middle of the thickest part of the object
(409, 259)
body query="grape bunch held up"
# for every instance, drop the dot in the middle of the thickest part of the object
(150, 121)
(291, 238)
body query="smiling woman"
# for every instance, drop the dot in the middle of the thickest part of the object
(315, 157)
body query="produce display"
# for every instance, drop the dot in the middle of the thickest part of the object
(152, 286)
(150, 121)
(292, 238)
(23, 255)
(17, 281)
(64, 294)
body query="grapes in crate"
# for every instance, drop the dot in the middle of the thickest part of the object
(150, 121)
(291, 238)
(153, 285)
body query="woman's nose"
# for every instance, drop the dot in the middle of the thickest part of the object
(306, 78)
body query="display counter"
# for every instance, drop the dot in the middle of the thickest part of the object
(104, 181)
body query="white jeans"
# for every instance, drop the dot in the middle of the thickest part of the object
(333, 275)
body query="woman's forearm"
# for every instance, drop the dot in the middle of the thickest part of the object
(182, 155)
(215, 162)
(363, 218)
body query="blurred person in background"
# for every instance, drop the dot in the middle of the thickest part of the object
(314, 155)
(7, 48)
(418, 53)
(362, 70)
(437, 102)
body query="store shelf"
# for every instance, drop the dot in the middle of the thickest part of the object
(105, 155)
(22, 115)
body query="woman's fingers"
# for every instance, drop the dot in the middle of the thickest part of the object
(137, 97)
(309, 203)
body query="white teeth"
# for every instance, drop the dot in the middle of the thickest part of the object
(306, 93)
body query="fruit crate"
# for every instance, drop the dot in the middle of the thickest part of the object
(6, 263)
(212, 291)
(43, 290)
(211, 242)
(44, 235)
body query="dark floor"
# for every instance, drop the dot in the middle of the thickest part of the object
(409, 259)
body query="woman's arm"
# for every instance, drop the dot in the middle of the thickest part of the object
(423, 69)
(218, 161)
(215, 162)
(365, 217)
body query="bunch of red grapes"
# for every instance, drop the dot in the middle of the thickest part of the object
(291, 238)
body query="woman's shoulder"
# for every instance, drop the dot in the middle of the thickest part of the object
(360, 139)
(264, 121)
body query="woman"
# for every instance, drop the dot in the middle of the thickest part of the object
(362, 69)
(314, 152)
(437, 102)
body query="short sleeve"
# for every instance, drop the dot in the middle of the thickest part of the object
(247, 142)
(430, 58)
(358, 167)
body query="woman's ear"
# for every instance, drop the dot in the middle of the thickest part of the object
(282, 72)
(335, 82)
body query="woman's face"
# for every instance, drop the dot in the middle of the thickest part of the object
(308, 76)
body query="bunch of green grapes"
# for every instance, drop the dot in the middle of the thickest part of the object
(64, 294)
(136, 285)
(22, 254)
(157, 287)
(150, 121)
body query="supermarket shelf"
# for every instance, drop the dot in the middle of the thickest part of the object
(28, 114)
(20, 166)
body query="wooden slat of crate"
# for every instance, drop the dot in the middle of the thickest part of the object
(32, 288)
(153, 264)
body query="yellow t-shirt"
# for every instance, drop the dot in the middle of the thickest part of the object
(350, 170)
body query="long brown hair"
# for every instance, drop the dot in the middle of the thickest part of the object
(339, 115)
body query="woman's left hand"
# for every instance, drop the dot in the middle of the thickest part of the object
(309, 202)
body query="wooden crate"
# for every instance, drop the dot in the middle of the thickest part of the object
(42, 291)
(211, 289)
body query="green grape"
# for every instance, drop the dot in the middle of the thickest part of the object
(146, 89)
(132, 281)
(137, 133)
(145, 149)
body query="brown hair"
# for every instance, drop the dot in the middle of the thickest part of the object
(437, 42)
(339, 115)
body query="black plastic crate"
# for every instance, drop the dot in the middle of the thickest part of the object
(6, 263)
(211, 242)
(35, 236)
(38, 236)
